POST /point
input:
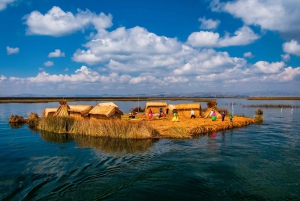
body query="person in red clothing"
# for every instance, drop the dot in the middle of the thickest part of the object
(150, 114)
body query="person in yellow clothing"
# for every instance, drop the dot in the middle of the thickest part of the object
(175, 114)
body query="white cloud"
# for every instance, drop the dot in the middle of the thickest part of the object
(56, 22)
(242, 36)
(56, 53)
(4, 3)
(266, 67)
(48, 63)
(274, 15)
(208, 24)
(248, 55)
(66, 69)
(285, 57)
(12, 50)
(291, 47)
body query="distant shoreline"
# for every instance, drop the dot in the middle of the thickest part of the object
(74, 99)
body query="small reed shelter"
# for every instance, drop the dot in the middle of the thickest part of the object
(105, 112)
(184, 110)
(49, 112)
(63, 109)
(79, 111)
(108, 103)
(155, 106)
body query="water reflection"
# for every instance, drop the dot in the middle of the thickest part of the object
(112, 145)
(108, 145)
(16, 125)
(55, 137)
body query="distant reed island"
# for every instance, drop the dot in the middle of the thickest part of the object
(155, 120)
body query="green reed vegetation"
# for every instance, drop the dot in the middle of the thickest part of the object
(272, 105)
(258, 115)
(99, 128)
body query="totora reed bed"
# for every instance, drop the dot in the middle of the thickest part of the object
(141, 127)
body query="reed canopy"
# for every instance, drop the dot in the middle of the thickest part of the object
(105, 112)
(184, 110)
(155, 106)
(79, 111)
(108, 104)
(63, 109)
(49, 112)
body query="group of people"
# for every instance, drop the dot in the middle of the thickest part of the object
(212, 114)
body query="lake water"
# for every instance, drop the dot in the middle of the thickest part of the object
(257, 162)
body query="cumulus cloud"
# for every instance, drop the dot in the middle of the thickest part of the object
(48, 63)
(4, 3)
(56, 53)
(285, 57)
(57, 22)
(266, 67)
(248, 55)
(132, 50)
(291, 47)
(242, 36)
(274, 15)
(12, 50)
(208, 23)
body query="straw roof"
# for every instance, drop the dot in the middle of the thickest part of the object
(49, 110)
(82, 109)
(188, 106)
(106, 110)
(62, 109)
(171, 107)
(208, 110)
(108, 103)
(156, 104)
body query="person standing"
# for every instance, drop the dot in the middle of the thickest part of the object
(192, 114)
(223, 115)
(150, 113)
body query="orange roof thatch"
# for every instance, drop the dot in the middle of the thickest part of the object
(63, 109)
(208, 111)
(49, 110)
(108, 103)
(106, 110)
(155, 104)
(82, 109)
(188, 106)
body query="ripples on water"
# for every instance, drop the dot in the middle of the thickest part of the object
(259, 162)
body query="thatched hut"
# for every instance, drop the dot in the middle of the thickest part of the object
(155, 106)
(79, 111)
(49, 112)
(208, 111)
(184, 110)
(105, 112)
(108, 104)
(63, 109)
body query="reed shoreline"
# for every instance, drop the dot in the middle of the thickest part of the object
(142, 127)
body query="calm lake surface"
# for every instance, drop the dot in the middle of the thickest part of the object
(258, 162)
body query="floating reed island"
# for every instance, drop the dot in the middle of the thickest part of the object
(107, 120)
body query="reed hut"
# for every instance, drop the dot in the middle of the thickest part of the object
(108, 103)
(155, 106)
(170, 109)
(79, 111)
(63, 109)
(105, 112)
(208, 111)
(184, 110)
(49, 112)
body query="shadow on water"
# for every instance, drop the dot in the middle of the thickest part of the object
(108, 145)
(16, 125)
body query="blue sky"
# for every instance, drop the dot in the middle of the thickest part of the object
(54, 47)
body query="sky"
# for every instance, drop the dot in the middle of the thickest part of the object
(54, 47)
